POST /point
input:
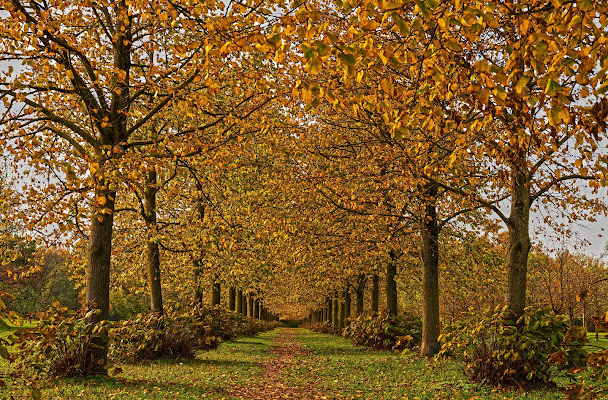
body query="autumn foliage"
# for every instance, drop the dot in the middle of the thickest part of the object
(315, 160)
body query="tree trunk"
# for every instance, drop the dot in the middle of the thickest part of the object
(519, 242)
(329, 311)
(360, 293)
(154, 278)
(391, 284)
(98, 277)
(250, 306)
(256, 309)
(245, 304)
(198, 292)
(347, 303)
(216, 294)
(430, 277)
(375, 293)
(197, 263)
(342, 313)
(336, 314)
(232, 298)
(239, 301)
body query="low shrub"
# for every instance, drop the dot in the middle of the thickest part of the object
(217, 322)
(385, 331)
(499, 350)
(592, 377)
(5, 317)
(59, 344)
(179, 335)
(148, 337)
(322, 327)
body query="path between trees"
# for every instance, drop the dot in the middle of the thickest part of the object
(271, 384)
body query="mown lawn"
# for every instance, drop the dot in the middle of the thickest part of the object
(347, 372)
(336, 369)
(594, 345)
(209, 376)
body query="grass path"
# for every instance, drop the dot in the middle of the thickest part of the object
(271, 385)
(343, 371)
(284, 364)
(210, 376)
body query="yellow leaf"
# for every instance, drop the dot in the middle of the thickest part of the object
(521, 84)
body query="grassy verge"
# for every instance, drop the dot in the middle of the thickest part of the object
(207, 377)
(600, 344)
(343, 371)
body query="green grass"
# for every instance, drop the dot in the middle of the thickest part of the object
(594, 345)
(346, 372)
(209, 376)
(336, 369)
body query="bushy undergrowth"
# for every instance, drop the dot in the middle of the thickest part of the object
(385, 331)
(592, 377)
(322, 327)
(501, 351)
(61, 340)
(59, 344)
(149, 337)
(182, 334)
(382, 332)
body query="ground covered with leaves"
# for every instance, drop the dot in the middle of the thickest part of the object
(284, 364)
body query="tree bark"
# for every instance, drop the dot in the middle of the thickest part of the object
(98, 277)
(256, 309)
(375, 293)
(239, 301)
(232, 298)
(153, 250)
(336, 314)
(430, 277)
(342, 313)
(360, 293)
(329, 311)
(391, 284)
(197, 263)
(347, 303)
(198, 292)
(250, 306)
(519, 242)
(245, 303)
(216, 294)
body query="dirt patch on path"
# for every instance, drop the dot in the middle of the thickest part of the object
(271, 384)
